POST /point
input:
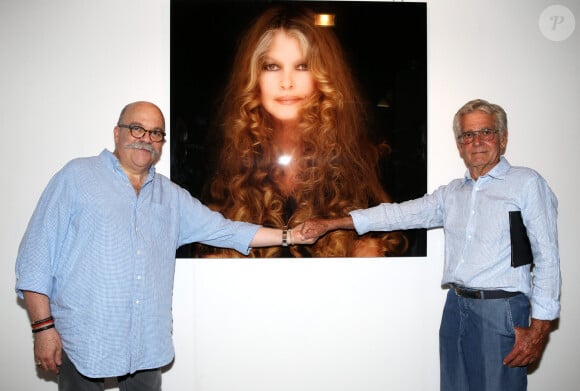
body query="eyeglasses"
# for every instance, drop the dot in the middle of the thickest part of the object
(484, 135)
(137, 131)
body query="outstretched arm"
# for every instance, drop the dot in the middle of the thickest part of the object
(315, 228)
(266, 237)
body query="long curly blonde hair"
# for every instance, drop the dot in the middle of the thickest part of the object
(338, 164)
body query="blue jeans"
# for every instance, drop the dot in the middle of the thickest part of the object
(474, 337)
(69, 379)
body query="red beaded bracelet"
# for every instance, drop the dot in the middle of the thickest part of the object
(42, 324)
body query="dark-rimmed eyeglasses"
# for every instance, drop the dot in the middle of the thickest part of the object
(484, 135)
(138, 131)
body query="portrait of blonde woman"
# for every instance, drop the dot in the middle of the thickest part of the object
(293, 140)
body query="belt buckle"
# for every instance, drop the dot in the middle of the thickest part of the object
(472, 294)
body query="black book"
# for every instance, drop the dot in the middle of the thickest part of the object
(520, 243)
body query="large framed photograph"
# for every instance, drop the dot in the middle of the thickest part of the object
(281, 111)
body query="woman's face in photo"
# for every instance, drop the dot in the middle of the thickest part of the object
(285, 80)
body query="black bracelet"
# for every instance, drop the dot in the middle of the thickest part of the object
(42, 320)
(285, 237)
(50, 326)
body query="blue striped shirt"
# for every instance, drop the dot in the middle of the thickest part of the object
(474, 217)
(106, 258)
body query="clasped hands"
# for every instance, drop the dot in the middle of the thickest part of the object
(312, 229)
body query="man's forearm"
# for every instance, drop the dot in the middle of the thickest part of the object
(315, 228)
(266, 237)
(339, 223)
(37, 305)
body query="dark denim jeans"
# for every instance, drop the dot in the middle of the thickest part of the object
(69, 379)
(474, 337)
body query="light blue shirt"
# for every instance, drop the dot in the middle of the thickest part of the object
(106, 258)
(474, 217)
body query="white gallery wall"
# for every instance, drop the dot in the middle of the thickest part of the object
(68, 66)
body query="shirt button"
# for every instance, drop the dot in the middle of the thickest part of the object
(136, 301)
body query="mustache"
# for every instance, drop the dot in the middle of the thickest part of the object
(145, 146)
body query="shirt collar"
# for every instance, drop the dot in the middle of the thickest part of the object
(499, 171)
(113, 163)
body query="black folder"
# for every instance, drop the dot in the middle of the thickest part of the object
(520, 243)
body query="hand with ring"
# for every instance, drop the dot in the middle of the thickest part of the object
(48, 351)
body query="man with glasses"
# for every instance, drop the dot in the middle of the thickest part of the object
(96, 264)
(487, 339)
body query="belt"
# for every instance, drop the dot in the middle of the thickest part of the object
(483, 294)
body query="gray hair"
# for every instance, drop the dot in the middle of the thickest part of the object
(482, 105)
